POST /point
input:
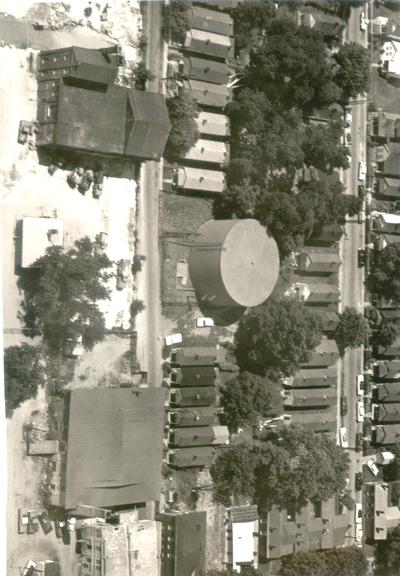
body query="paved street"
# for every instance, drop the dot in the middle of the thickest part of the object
(151, 173)
(352, 277)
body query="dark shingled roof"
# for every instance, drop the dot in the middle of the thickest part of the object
(196, 376)
(189, 555)
(120, 121)
(114, 446)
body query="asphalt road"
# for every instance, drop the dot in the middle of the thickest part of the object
(352, 277)
(149, 207)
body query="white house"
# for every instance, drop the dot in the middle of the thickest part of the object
(242, 526)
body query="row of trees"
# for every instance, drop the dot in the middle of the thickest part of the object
(287, 466)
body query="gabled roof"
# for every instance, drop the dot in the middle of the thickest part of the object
(193, 396)
(386, 434)
(93, 65)
(387, 370)
(185, 437)
(206, 70)
(213, 124)
(243, 513)
(211, 20)
(308, 397)
(120, 121)
(208, 151)
(199, 416)
(389, 187)
(204, 42)
(387, 392)
(314, 377)
(325, 354)
(196, 376)
(191, 457)
(207, 94)
(200, 180)
(114, 446)
(196, 356)
(388, 412)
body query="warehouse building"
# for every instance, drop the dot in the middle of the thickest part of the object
(114, 447)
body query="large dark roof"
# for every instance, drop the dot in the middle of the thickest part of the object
(114, 446)
(120, 121)
(190, 545)
(196, 376)
(94, 65)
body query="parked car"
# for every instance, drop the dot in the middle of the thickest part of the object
(360, 384)
(204, 322)
(359, 442)
(343, 406)
(59, 527)
(362, 171)
(173, 339)
(359, 533)
(123, 270)
(361, 257)
(23, 521)
(33, 524)
(358, 481)
(348, 117)
(45, 522)
(363, 22)
(29, 569)
(343, 437)
(360, 412)
(358, 513)
(373, 467)
(71, 523)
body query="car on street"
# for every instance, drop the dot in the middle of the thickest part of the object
(363, 22)
(204, 322)
(45, 523)
(23, 521)
(360, 384)
(359, 442)
(359, 533)
(358, 513)
(348, 117)
(59, 527)
(362, 171)
(358, 481)
(173, 339)
(71, 523)
(344, 442)
(123, 270)
(33, 524)
(29, 568)
(360, 412)
(373, 467)
(343, 406)
(361, 257)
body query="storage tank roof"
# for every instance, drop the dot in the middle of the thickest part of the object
(249, 263)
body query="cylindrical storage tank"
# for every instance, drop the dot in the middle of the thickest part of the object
(233, 263)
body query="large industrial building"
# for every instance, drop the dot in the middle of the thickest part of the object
(114, 447)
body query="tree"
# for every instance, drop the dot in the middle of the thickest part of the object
(276, 337)
(297, 466)
(250, 20)
(62, 291)
(176, 20)
(248, 397)
(347, 561)
(182, 110)
(387, 554)
(23, 374)
(384, 278)
(353, 72)
(323, 149)
(352, 330)
(385, 334)
(233, 473)
(290, 65)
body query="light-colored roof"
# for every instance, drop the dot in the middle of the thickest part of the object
(211, 20)
(212, 124)
(201, 180)
(38, 234)
(244, 545)
(209, 151)
(207, 94)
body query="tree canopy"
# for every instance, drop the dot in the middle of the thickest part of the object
(384, 278)
(290, 466)
(247, 397)
(250, 21)
(352, 74)
(276, 337)
(352, 330)
(182, 111)
(61, 294)
(176, 20)
(387, 554)
(23, 374)
(347, 561)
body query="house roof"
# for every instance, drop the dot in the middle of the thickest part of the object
(194, 396)
(320, 417)
(196, 436)
(304, 397)
(391, 164)
(213, 124)
(319, 261)
(211, 20)
(386, 434)
(243, 513)
(93, 65)
(201, 180)
(392, 351)
(389, 369)
(196, 356)
(191, 457)
(314, 377)
(207, 94)
(206, 70)
(387, 392)
(329, 319)
(325, 354)
(209, 43)
(196, 376)
(208, 151)
(190, 545)
(388, 412)
(51, 569)
(327, 24)
(114, 446)
(389, 187)
(199, 416)
(119, 121)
